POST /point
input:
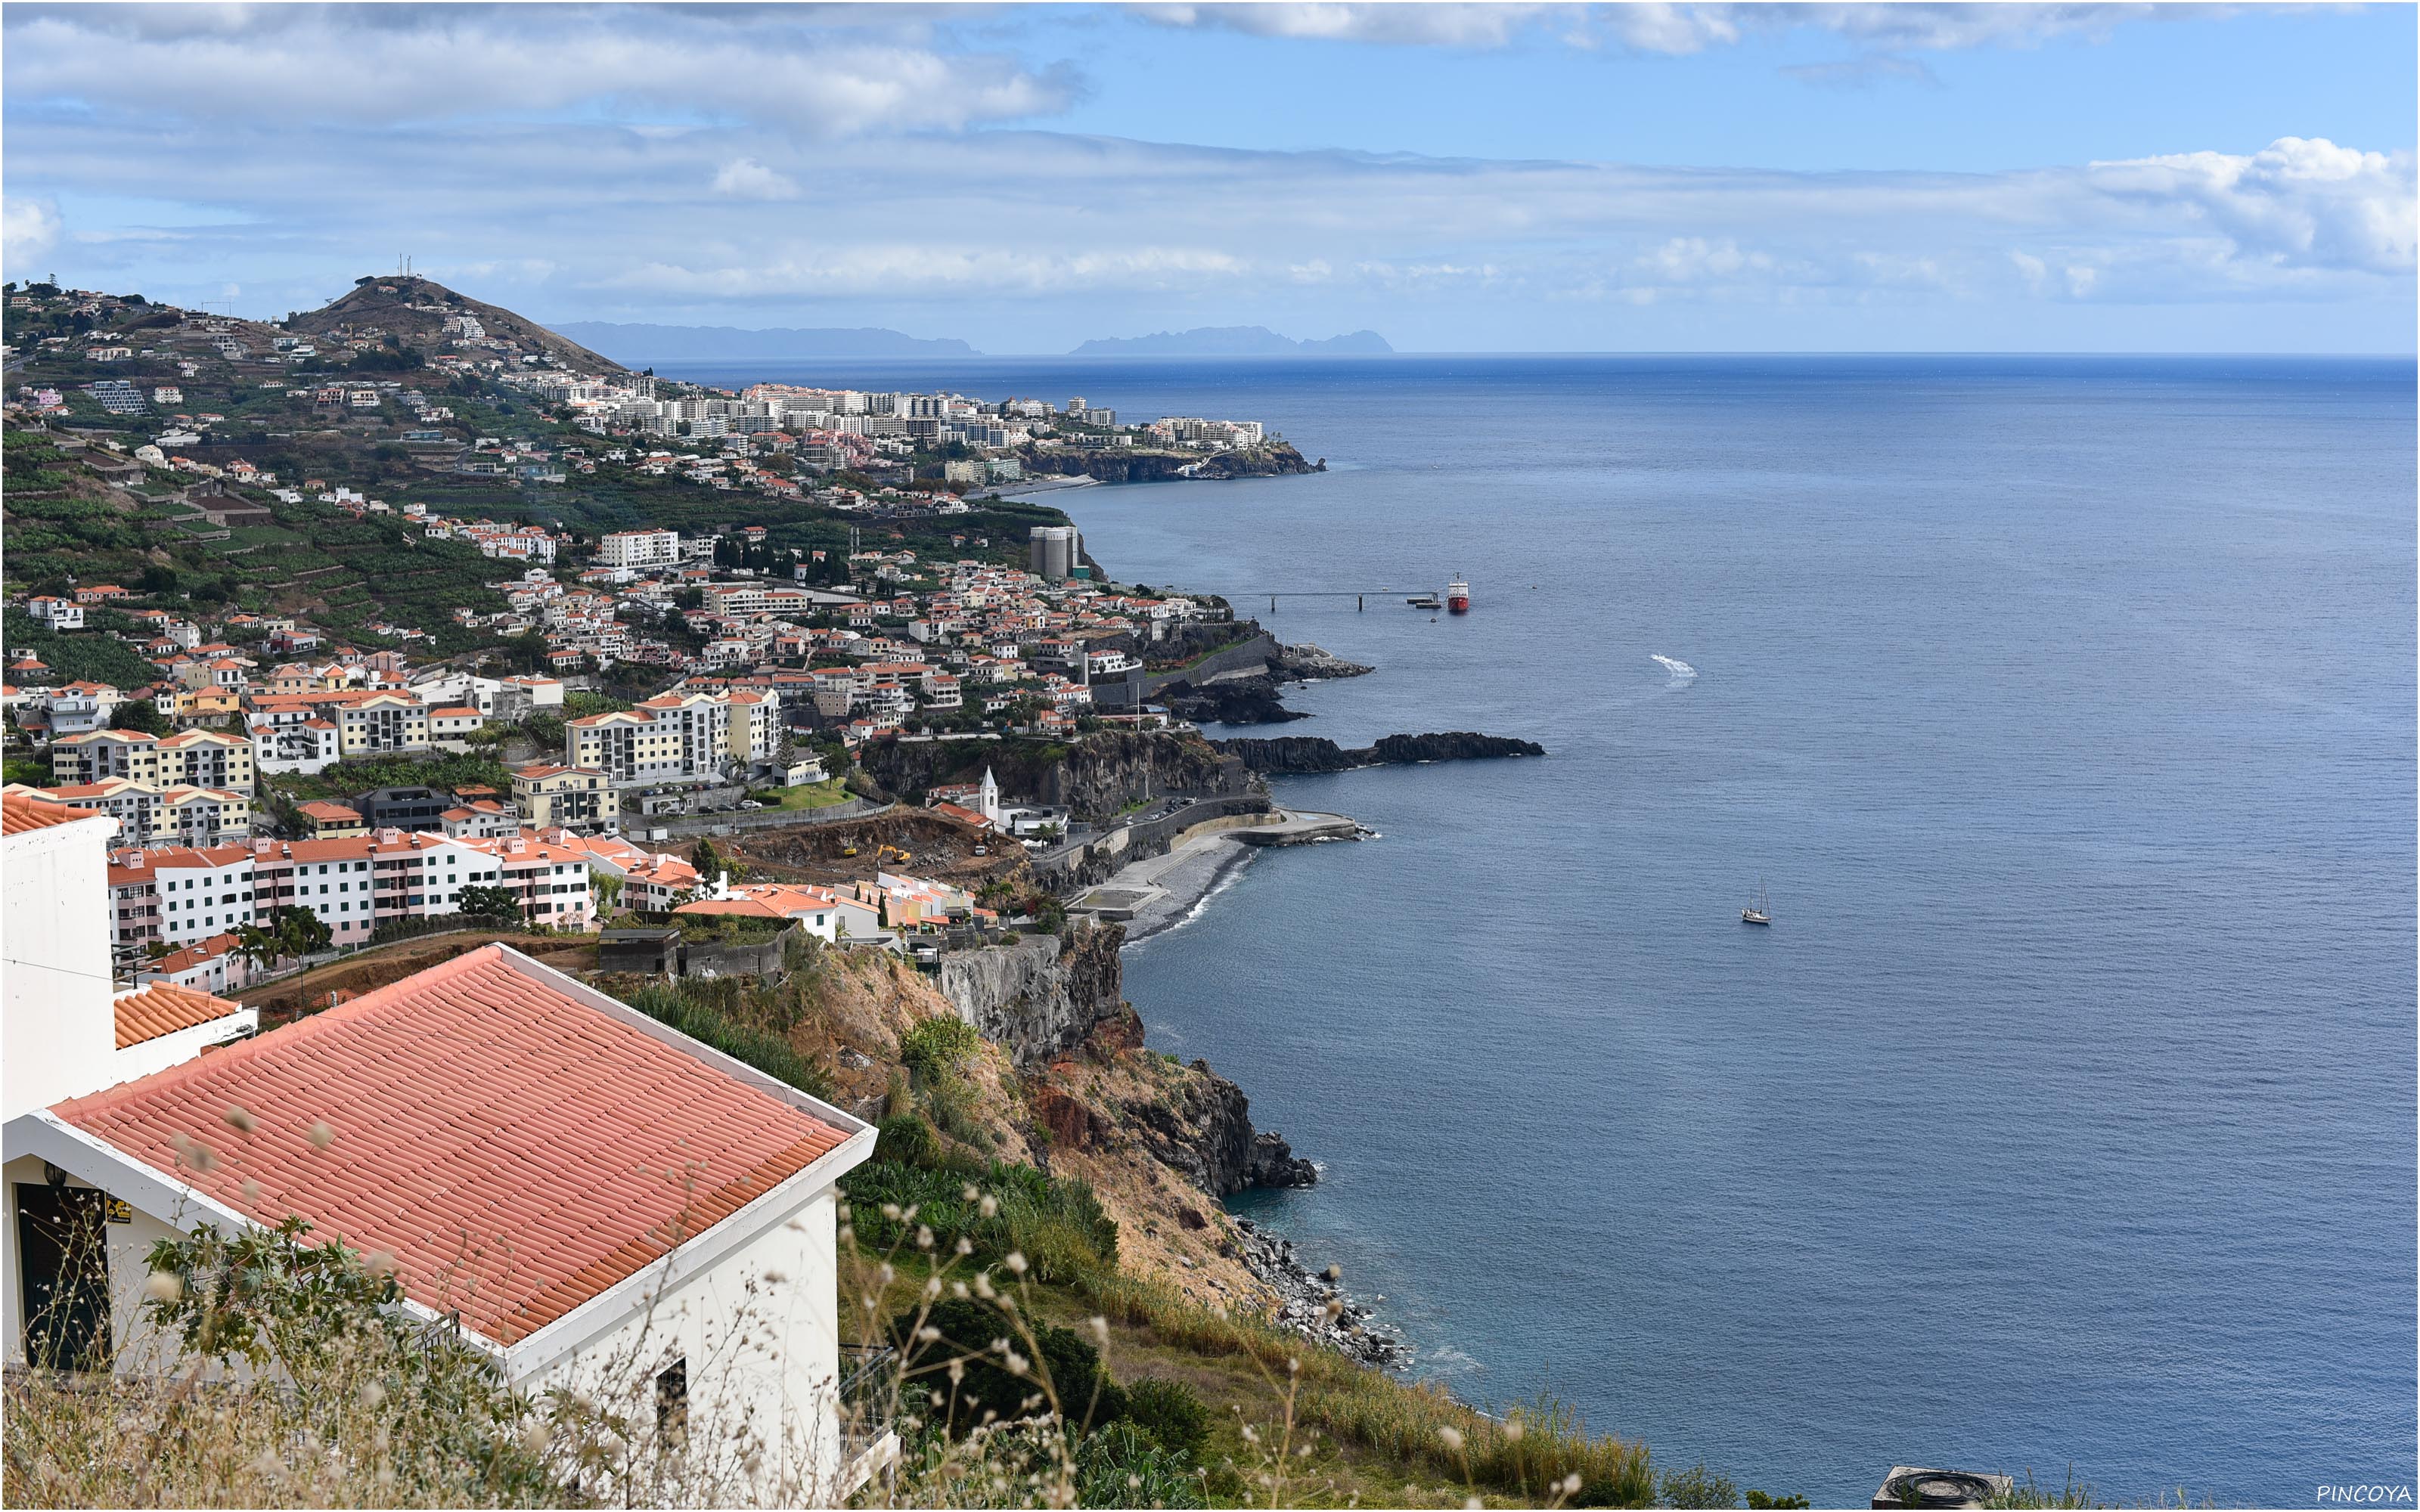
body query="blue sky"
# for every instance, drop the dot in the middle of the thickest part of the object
(1458, 177)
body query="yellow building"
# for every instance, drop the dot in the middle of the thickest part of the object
(197, 758)
(577, 798)
(322, 820)
(375, 724)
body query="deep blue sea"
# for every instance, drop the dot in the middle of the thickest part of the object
(2064, 1117)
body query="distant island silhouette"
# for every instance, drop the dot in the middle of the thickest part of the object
(1233, 341)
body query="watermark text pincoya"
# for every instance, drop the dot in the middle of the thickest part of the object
(2368, 1495)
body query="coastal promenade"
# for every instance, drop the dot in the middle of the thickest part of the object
(1160, 892)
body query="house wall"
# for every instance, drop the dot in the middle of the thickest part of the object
(60, 1033)
(140, 1349)
(782, 1382)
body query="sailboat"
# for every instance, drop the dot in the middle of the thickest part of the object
(1759, 908)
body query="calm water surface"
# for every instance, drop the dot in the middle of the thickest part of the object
(2064, 1117)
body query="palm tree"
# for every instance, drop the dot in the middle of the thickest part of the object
(256, 945)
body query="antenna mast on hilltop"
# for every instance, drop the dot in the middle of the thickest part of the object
(403, 264)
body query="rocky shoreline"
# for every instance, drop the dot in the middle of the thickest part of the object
(1314, 1304)
(1242, 697)
(1305, 754)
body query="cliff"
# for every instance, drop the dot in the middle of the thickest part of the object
(1203, 1129)
(1240, 685)
(1095, 775)
(1040, 997)
(1309, 753)
(1122, 466)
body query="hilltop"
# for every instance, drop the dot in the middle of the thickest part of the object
(415, 311)
(1235, 340)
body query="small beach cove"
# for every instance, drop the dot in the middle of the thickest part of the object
(1155, 894)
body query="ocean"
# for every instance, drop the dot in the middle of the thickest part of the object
(2063, 1120)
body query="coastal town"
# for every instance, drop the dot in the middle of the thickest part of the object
(784, 725)
(600, 685)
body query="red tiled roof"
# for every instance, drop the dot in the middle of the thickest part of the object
(163, 1008)
(19, 814)
(516, 1149)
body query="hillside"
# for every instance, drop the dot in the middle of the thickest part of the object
(415, 311)
(1233, 341)
(645, 346)
(276, 418)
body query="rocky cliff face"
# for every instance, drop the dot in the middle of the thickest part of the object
(1309, 753)
(1095, 775)
(1203, 1127)
(1227, 693)
(1041, 999)
(1156, 467)
(1042, 996)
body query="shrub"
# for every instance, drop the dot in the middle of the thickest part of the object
(1696, 1487)
(714, 1025)
(1121, 1465)
(1055, 1223)
(951, 1103)
(1170, 1412)
(906, 1140)
(937, 1046)
(343, 1399)
(1064, 1373)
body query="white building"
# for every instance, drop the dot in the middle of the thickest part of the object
(639, 550)
(717, 1290)
(199, 893)
(55, 909)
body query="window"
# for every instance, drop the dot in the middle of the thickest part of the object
(671, 1404)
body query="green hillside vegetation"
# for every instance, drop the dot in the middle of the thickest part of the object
(318, 561)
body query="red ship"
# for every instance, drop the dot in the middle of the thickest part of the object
(1457, 597)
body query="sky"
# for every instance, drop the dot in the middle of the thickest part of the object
(1458, 177)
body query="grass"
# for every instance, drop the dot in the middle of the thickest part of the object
(821, 794)
(744, 1022)
(1290, 1424)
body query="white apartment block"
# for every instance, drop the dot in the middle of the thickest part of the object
(639, 550)
(678, 737)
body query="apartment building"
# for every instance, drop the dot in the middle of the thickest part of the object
(178, 895)
(678, 737)
(639, 550)
(195, 758)
(581, 799)
(149, 814)
(377, 724)
(305, 745)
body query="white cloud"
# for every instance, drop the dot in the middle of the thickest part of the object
(420, 64)
(1654, 26)
(2304, 203)
(1443, 25)
(915, 269)
(747, 179)
(29, 229)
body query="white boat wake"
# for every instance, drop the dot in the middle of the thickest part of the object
(1682, 671)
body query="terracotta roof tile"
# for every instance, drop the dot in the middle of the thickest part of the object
(19, 814)
(163, 1008)
(516, 1149)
